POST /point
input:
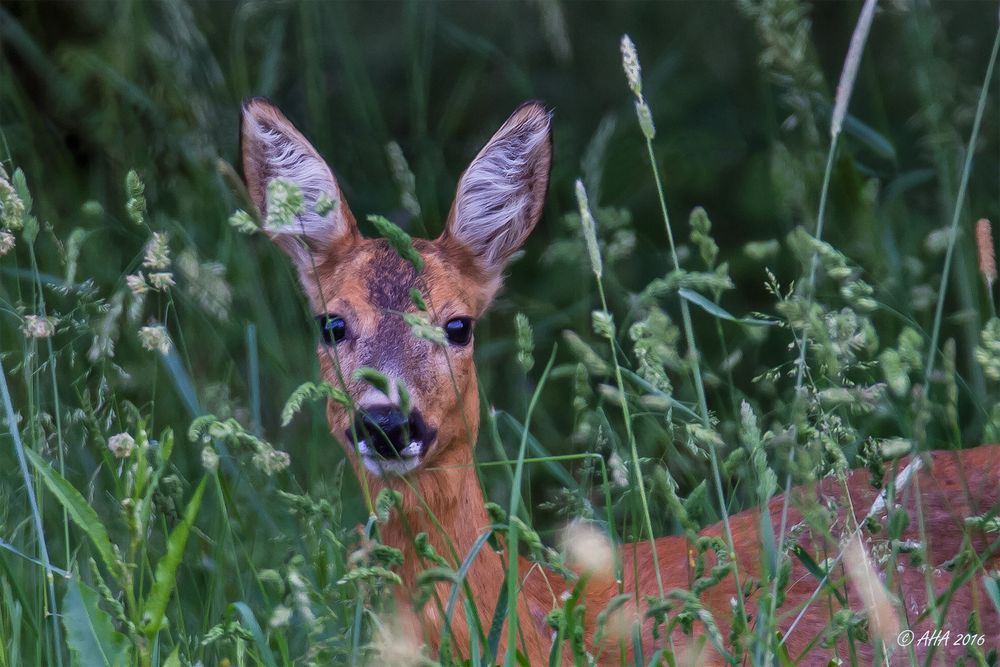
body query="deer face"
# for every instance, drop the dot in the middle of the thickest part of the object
(362, 292)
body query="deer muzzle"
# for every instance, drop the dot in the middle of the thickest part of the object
(390, 441)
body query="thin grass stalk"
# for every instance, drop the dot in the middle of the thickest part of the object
(590, 236)
(630, 63)
(633, 447)
(800, 377)
(696, 374)
(957, 214)
(253, 379)
(845, 89)
(945, 274)
(510, 658)
(57, 407)
(36, 515)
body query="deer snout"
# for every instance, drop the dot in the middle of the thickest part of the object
(385, 432)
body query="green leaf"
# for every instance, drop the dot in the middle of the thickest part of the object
(79, 510)
(867, 135)
(815, 570)
(715, 309)
(993, 590)
(249, 621)
(496, 625)
(166, 569)
(174, 659)
(90, 635)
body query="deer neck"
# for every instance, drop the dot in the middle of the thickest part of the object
(446, 504)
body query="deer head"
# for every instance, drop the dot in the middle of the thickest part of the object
(359, 289)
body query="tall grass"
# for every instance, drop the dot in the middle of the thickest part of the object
(163, 504)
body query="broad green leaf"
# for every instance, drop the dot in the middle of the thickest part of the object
(90, 635)
(713, 308)
(77, 507)
(166, 569)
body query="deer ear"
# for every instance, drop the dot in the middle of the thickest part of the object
(501, 195)
(273, 148)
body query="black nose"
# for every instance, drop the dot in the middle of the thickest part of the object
(388, 431)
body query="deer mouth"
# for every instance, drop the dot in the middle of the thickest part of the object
(390, 442)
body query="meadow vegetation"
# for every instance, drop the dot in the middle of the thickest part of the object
(747, 277)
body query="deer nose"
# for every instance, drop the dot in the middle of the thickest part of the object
(389, 432)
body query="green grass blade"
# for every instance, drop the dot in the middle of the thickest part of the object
(970, 151)
(822, 576)
(22, 452)
(718, 311)
(496, 625)
(90, 634)
(83, 515)
(249, 621)
(993, 590)
(166, 569)
(460, 576)
(515, 498)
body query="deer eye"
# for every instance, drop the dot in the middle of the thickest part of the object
(458, 330)
(333, 328)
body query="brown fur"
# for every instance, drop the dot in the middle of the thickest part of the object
(367, 284)
(954, 485)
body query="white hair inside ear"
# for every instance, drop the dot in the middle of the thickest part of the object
(274, 149)
(501, 195)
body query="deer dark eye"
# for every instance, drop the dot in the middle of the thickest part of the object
(333, 328)
(459, 330)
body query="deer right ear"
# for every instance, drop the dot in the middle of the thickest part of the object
(273, 148)
(501, 195)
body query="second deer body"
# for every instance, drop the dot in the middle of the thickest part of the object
(419, 441)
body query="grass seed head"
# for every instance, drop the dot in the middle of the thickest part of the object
(987, 256)
(121, 445)
(589, 229)
(630, 63)
(155, 338)
(157, 252)
(37, 326)
(7, 243)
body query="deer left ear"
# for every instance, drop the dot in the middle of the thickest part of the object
(501, 195)
(273, 148)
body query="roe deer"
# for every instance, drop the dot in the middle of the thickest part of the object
(360, 289)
